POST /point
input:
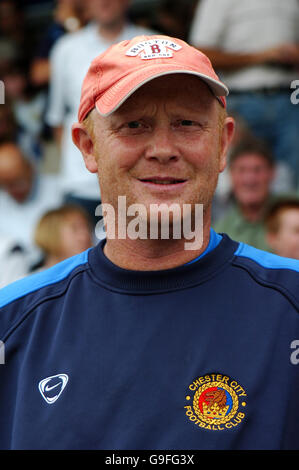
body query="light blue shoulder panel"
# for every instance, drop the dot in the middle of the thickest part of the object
(265, 259)
(42, 279)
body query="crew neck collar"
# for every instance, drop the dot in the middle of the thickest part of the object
(115, 278)
(215, 239)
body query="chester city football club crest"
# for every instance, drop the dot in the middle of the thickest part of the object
(216, 402)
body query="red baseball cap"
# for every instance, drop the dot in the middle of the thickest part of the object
(124, 67)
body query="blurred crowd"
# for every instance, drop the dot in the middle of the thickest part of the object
(47, 197)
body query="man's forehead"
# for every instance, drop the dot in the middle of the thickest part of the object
(182, 90)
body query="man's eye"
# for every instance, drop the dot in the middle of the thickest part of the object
(134, 124)
(187, 122)
(129, 128)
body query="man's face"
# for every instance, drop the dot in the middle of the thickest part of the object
(163, 145)
(251, 176)
(108, 12)
(286, 241)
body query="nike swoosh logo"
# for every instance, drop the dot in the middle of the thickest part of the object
(47, 388)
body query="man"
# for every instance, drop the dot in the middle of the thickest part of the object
(70, 59)
(140, 343)
(282, 227)
(255, 47)
(24, 196)
(251, 171)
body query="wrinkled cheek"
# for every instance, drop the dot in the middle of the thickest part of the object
(203, 155)
(113, 183)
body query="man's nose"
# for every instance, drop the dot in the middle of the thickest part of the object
(161, 146)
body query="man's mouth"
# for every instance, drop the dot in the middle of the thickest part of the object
(162, 180)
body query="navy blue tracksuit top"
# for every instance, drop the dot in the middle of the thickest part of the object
(203, 356)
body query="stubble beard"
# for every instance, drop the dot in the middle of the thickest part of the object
(176, 221)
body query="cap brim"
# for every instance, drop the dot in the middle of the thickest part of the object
(118, 93)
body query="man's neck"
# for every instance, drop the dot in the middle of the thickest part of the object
(153, 255)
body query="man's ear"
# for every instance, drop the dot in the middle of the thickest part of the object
(228, 131)
(83, 141)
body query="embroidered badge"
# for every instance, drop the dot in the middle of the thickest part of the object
(217, 402)
(154, 49)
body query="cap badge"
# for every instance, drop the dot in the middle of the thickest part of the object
(154, 49)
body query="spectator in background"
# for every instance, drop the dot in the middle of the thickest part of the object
(24, 196)
(28, 105)
(12, 27)
(255, 47)
(223, 199)
(27, 101)
(282, 227)
(70, 60)
(15, 36)
(166, 16)
(62, 233)
(252, 170)
(68, 16)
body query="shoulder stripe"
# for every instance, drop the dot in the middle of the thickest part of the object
(265, 259)
(45, 278)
